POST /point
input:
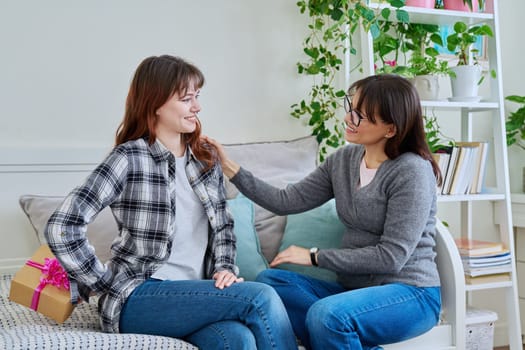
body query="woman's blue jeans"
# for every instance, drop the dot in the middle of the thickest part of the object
(325, 315)
(247, 315)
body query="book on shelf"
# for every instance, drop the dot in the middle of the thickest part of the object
(463, 173)
(487, 259)
(442, 159)
(490, 270)
(479, 167)
(475, 247)
(447, 176)
(462, 167)
(498, 277)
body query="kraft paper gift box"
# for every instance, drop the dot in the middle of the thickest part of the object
(32, 286)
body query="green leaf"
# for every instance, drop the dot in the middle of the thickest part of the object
(460, 27)
(402, 16)
(375, 31)
(397, 3)
(516, 98)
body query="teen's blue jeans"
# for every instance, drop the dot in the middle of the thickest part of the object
(246, 315)
(325, 315)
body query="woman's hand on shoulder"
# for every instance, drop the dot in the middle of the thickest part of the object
(229, 167)
(225, 279)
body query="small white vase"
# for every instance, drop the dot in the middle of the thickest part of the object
(427, 86)
(465, 84)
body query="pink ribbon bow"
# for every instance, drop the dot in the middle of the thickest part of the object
(52, 273)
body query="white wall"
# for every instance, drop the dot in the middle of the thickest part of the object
(65, 68)
(513, 51)
(66, 65)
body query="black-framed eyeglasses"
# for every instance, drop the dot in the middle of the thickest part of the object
(355, 115)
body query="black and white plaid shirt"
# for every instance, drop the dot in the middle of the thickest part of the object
(134, 181)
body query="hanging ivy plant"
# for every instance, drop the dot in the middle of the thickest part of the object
(333, 26)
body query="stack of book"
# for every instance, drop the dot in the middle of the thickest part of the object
(484, 261)
(462, 167)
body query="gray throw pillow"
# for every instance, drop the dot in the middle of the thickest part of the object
(100, 232)
(279, 163)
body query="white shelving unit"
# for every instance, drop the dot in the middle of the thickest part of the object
(491, 106)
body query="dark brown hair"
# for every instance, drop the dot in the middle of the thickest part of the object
(395, 100)
(155, 81)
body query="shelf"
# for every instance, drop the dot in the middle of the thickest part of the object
(472, 106)
(485, 286)
(470, 197)
(438, 16)
(464, 209)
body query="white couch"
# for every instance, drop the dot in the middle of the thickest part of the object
(261, 235)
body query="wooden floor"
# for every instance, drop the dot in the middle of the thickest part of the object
(505, 348)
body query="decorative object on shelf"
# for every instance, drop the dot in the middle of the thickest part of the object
(515, 127)
(421, 3)
(332, 27)
(467, 75)
(464, 5)
(423, 66)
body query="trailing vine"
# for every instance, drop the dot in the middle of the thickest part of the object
(333, 26)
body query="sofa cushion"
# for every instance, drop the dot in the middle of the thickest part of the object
(249, 257)
(279, 163)
(319, 227)
(103, 229)
(100, 232)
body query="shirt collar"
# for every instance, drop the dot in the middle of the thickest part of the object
(160, 153)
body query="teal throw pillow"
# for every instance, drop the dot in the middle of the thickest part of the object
(319, 227)
(249, 257)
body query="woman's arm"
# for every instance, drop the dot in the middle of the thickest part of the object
(312, 191)
(66, 229)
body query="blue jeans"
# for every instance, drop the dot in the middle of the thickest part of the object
(325, 315)
(247, 315)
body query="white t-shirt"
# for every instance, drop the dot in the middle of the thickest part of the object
(190, 231)
(365, 175)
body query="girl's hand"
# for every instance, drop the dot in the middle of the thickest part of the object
(225, 279)
(229, 167)
(292, 255)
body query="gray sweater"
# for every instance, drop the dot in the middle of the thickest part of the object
(390, 223)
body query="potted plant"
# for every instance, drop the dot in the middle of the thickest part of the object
(423, 66)
(466, 76)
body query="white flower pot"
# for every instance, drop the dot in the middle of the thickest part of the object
(427, 86)
(465, 85)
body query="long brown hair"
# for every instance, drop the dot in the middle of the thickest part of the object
(156, 79)
(395, 100)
